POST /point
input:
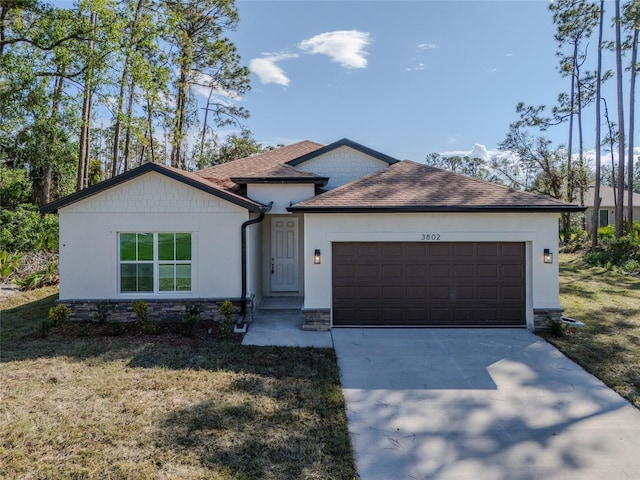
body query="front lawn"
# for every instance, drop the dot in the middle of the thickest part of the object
(609, 304)
(163, 407)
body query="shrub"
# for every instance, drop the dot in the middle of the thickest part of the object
(41, 278)
(59, 314)
(228, 310)
(9, 263)
(140, 308)
(191, 318)
(25, 230)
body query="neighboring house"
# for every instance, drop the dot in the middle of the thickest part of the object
(365, 239)
(606, 215)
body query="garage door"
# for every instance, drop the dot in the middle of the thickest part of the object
(433, 284)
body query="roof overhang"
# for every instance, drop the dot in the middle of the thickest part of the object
(280, 180)
(203, 186)
(439, 209)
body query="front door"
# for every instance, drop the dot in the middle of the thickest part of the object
(284, 254)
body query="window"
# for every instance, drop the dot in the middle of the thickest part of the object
(155, 262)
(603, 218)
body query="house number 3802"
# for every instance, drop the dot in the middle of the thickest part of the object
(430, 237)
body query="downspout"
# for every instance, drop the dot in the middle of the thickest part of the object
(243, 234)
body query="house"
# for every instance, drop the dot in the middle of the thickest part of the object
(606, 216)
(364, 238)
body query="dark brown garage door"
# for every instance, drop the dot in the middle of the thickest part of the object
(437, 284)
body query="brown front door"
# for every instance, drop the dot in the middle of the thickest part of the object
(431, 284)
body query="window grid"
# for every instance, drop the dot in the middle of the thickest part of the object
(167, 271)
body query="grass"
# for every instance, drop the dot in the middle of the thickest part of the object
(609, 304)
(164, 406)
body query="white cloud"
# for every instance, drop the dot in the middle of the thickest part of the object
(480, 151)
(268, 71)
(416, 68)
(345, 47)
(427, 46)
(202, 83)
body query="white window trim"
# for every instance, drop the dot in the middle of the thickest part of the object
(156, 293)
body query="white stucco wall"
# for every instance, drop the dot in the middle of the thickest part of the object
(538, 230)
(151, 203)
(282, 195)
(254, 260)
(342, 165)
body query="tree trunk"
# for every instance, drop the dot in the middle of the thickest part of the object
(83, 153)
(596, 194)
(620, 203)
(632, 99)
(127, 137)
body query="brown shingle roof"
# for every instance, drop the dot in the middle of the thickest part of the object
(279, 173)
(409, 186)
(245, 167)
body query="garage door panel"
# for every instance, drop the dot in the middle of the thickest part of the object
(392, 271)
(490, 293)
(395, 283)
(367, 271)
(465, 293)
(488, 271)
(438, 270)
(464, 315)
(416, 271)
(465, 271)
(512, 249)
(416, 292)
(512, 293)
(393, 293)
(487, 249)
(368, 293)
(440, 292)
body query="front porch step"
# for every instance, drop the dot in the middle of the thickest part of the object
(281, 303)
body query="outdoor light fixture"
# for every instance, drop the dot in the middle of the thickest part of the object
(548, 256)
(316, 257)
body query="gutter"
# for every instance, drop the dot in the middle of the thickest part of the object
(241, 326)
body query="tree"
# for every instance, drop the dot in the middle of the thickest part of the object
(632, 20)
(595, 221)
(465, 165)
(203, 57)
(531, 163)
(620, 183)
(575, 20)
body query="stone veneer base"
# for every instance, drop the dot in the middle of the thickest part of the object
(169, 310)
(541, 317)
(316, 319)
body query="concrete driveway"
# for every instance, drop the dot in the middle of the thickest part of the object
(479, 404)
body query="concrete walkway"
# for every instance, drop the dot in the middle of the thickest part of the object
(278, 322)
(496, 404)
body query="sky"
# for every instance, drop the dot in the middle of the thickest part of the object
(406, 78)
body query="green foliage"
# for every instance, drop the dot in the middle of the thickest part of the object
(42, 278)
(191, 318)
(140, 308)
(102, 312)
(59, 314)
(228, 311)
(14, 187)
(25, 230)
(9, 263)
(617, 254)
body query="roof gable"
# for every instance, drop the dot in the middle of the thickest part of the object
(345, 142)
(244, 167)
(187, 178)
(409, 186)
(608, 198)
